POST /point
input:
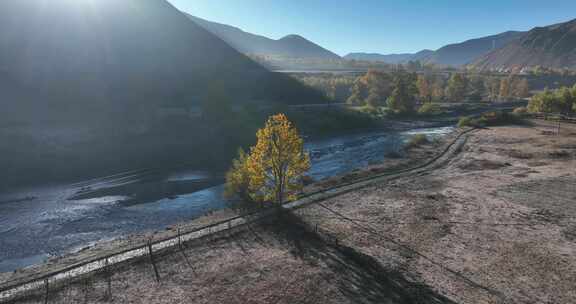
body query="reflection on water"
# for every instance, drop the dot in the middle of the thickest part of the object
(51, 224)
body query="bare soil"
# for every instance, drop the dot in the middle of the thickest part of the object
(497, 224)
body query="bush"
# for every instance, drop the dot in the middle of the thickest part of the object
(417, 140)
(429, 109)
(488, 119)
(465, 122)
(521, 111)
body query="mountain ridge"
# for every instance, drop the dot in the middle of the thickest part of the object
(105, 59)
(454, 54)
(552, 46)
(292, 45)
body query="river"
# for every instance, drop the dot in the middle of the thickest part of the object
(42, 221)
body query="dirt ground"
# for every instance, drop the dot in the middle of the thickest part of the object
(497, 224)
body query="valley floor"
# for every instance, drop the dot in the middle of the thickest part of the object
(496, 224)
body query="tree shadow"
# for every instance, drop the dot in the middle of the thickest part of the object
(359, 277)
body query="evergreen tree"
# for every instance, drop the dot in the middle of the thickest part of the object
(403, 98)
(457, 87)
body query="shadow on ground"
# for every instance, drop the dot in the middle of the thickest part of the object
(359, 277)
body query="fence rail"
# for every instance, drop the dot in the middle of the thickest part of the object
(555, 117)
(22, 287)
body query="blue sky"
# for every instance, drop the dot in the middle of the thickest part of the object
(383, 26)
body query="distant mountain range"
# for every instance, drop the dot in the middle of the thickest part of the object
(292, 46)
(454, 55)
(552, 46)
(460, 54)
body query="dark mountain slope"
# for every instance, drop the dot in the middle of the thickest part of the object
(83, 85)
(422, 55)
(553, 46)
(111, 57)
(290, 46)
(459, 54)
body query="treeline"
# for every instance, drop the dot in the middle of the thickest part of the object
(562, 100)
(335, 87)
(376, 86)
(275, 62)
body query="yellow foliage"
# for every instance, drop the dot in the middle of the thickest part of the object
(273, 170)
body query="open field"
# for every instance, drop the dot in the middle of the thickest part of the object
(497, 224)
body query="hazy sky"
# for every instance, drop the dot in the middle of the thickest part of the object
(384, 26)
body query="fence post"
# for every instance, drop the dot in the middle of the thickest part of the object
(152, 261)
(47, 286)
(108, 279)
(179, 239)
(86, 284)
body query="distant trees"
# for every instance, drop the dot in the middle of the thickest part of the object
(554, 101)
(424, 85)
(492, 85)
(375, 88)
(521, 88)
(457, 87)
(372, 89)
(335, 87)
(403, 97)
(274, 168)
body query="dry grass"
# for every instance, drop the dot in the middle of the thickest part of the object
(488, 227)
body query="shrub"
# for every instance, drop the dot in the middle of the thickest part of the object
(521, 110)
(429, 109)
(465, 122)
(488, 119)
(417, 140)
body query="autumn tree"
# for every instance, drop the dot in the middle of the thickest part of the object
(238, 178)
(358, 92)
(562, 100)
(477, 89)
(273, 170)
(379, 88)
(492, 85)
(372, 89)
(521, 88)
(505, 88)
(424, 88)
(437, 89)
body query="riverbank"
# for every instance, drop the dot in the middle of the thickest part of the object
(493, 225)
(411, 157)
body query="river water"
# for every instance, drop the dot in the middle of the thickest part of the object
(42, 221)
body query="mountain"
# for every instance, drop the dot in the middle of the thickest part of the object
(390, 58)
(292, 46)
(422, 55)
(119, 59)
(459, 54)
(90, 87)
(552, 46)
(454, 55)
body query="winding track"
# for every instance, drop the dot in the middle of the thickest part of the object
(14, 289)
